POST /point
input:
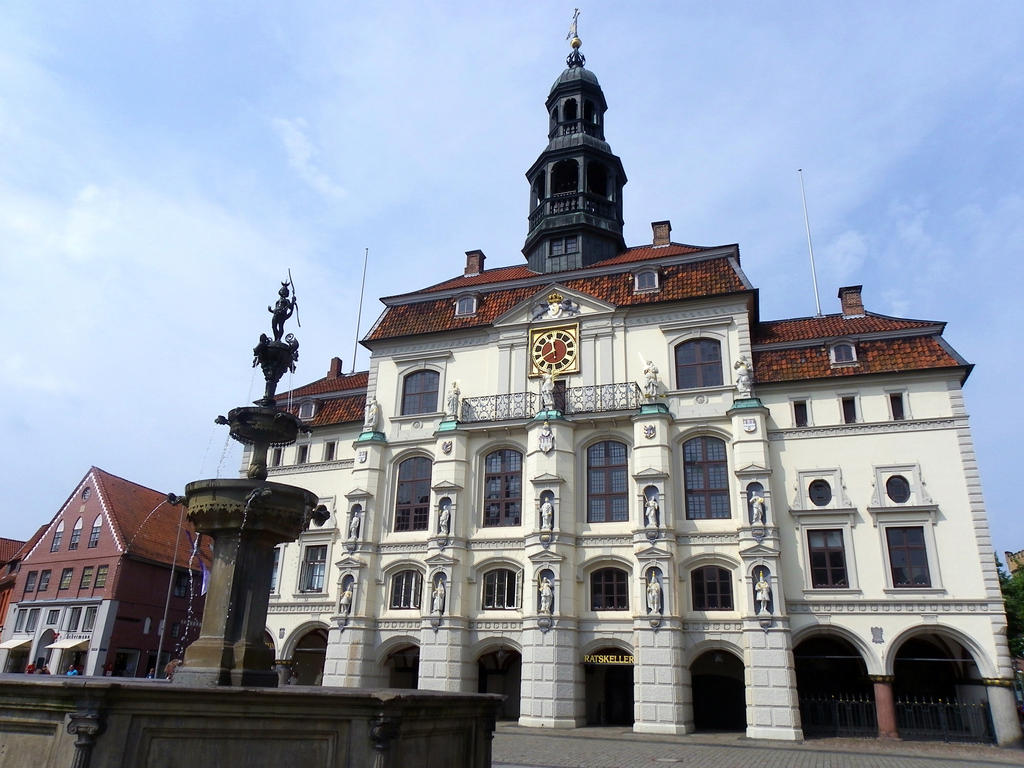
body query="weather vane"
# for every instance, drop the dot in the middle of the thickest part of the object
(575, 59)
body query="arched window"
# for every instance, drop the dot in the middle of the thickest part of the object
(76, 535)
(501, 590)
(699, 364)
(597, 179)
(565, 177)
(646, 280)
(706, 473)
(569, 110)
(607, 497)
(712, 589)
(406, 589)
(609, 590)
(503, 488)
(844, 352)
(420, 393)
(412, 507)
(539, 193)
(58, 536)
(466, 305)
(94, 534)
(588, 111)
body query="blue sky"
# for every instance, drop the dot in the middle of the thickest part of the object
(162, 167)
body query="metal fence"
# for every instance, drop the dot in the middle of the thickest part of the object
(824, 716)
(944, 720)
(523, 405)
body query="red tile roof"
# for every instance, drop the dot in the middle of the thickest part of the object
(832, 326)
(873, 356)
(326, 385)
(645, 252)
(336, 410)
(710, 277)
(9, 548)
(146, 524)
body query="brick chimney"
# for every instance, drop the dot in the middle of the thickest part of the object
(662, 232)
(334, 372)
(850, 299)
(474, 263)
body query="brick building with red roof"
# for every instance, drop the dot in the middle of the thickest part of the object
(95, 582)
(601, 484)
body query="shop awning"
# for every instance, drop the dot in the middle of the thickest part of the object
(70, 642)
(15, 642)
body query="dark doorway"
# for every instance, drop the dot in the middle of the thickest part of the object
(836, 696)
(609, 690)
(308, 658)
(501, 672)
(404, 668)
(719, 699)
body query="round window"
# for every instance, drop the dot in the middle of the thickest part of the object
(820, 492)
(897, 488)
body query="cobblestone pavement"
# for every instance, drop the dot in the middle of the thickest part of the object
(516, 747)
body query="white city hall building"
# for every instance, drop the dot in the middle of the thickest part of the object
(599, 483)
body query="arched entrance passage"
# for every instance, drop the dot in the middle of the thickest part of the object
(609, 687)
(501, 672)
(719, 700)
(836, 696)
(938, 691)
(309, 656)
(403, 667)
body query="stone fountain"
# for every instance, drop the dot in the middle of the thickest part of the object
(223, 707)
(246, 519)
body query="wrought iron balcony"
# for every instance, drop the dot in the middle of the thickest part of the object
(569, 202)
(517, 405)
(597, 398)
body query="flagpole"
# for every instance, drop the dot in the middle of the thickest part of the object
(807, 226)
(359, 314)
(170, 585)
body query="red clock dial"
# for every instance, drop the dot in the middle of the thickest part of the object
(553, 351)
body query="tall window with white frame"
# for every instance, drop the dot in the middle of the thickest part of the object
(908, 557)
(896, 406)
(406, 589)
(699, 364)
(827, 556)
(76, 535)
(501, 590)
(503, 488)
(412, 507)
(275, 569)
(419, 393)
(609, 590)
(706, 477)
(607, 482)
(712, 589)
(314, 568)
(58, 535)
(94, 534)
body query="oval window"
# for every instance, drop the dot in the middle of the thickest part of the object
(897, 488)
(820, 492)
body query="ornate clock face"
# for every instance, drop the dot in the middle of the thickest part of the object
(554, 350)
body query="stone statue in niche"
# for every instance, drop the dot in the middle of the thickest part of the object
(452, 406)
(546, 594)
(757, 509)
(652, 511)
(650, 380)
(353, 526)
(372, 415)
(653, 594)
(345, 604)
(547, 514)
(763, 593)
(444, 519)
(437, 601)
(744, 376)
(547, 392)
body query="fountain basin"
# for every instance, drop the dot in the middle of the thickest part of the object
(103, 724)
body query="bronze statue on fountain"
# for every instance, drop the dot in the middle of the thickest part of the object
(247, 519)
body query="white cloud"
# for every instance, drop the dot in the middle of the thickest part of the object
(844, 254)
(302, 157)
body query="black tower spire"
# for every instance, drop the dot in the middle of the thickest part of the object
(576, 183)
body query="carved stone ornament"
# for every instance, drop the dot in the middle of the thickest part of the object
(546, 439)
(701, 399)
(876, 635)
(446, 447)
(750, 425)
(650, 431)
(361, 457)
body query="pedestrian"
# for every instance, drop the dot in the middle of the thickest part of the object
(72, 671)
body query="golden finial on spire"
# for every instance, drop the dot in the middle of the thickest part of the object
(573, 35)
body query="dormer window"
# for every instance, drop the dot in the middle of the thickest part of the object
(465, 305)
(645, 281)
(307, 409)
(843, 352)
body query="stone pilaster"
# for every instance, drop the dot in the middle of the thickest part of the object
(1003, 706)
(773, 711)
(552, 678)
(662, 692)
(351, 654)
(444, 656)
